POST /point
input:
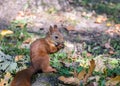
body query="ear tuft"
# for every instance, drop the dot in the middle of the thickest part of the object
(55, 26)
(50, 27)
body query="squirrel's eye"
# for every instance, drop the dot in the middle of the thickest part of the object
(56, 37)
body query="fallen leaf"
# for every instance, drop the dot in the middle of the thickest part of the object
(73, 64)
(61, 78)
(93, 84)
(117, 29)
(105, 71)
(117, 26)
(97, 78)
(66, 64)
(27, 41)
(111, 52)
(6, 32)
(110, 32)
(18, 57)
(114, 31)
(59, 18)
(107, 45)
(81, 75)
(70, 28)
(108, 24)
(92, 67)
(21, 13)
(21, 25)
(89, 54)
(69, 80)
(75, 73)
(74, 58)
(100, 19)
(100, 63)
(84, 63)
(4, 82)
(113, 81)
(28, 13)
(90, 71)
(84, 14)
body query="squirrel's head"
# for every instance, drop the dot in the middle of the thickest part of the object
(55, 36)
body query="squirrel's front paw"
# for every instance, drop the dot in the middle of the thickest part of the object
(54, 70)
(49, 69)
(60, 46)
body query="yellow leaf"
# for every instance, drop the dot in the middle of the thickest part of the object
(18, 57)
(113, 81)
(100, 19)
(6, 32)
(81, 75)
(108, 24)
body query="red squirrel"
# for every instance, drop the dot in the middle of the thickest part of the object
(39, 54)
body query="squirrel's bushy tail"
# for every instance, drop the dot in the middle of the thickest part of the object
(23, 78)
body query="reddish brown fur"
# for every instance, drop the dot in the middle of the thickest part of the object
(39, 53)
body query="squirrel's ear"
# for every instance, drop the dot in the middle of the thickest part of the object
(55, 26)
(50, 29)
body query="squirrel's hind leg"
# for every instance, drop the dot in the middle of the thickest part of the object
(45, 66)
